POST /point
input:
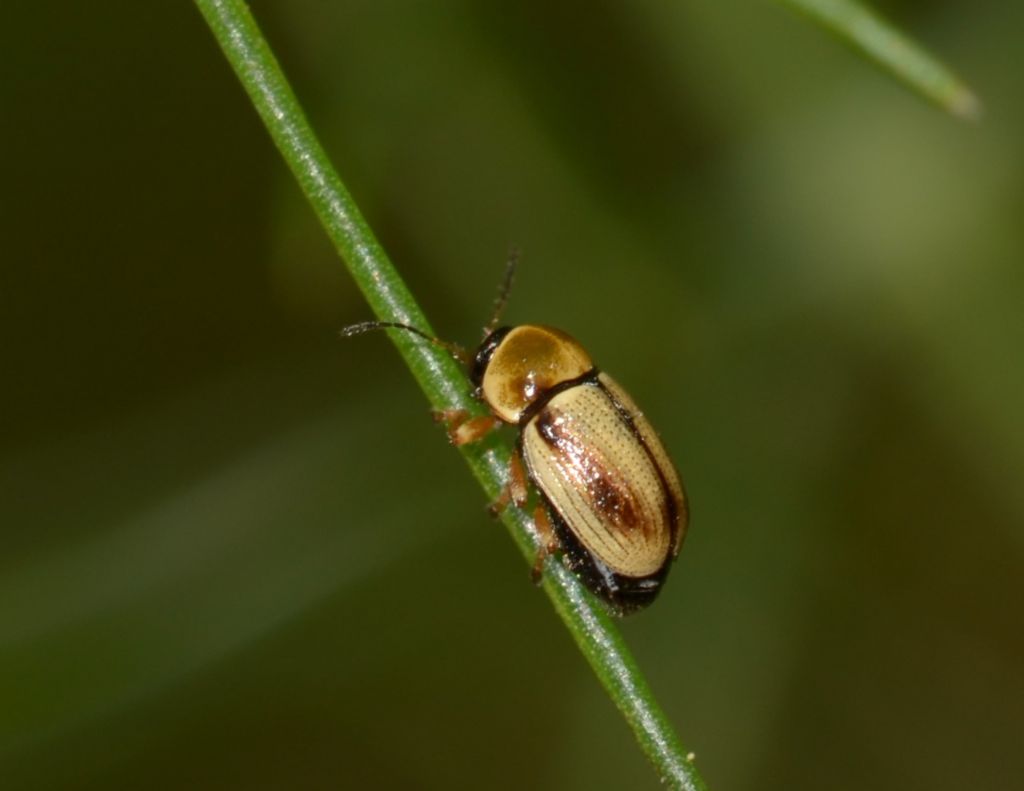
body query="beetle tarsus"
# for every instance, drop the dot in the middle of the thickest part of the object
(548, 542)
(449, 416)
(514, 491)
(498, 506)
(517, 486)
(463, 429)
(537, 572)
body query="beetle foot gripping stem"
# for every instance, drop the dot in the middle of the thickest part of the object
(513, 491)
(463, 429)
(549, 542)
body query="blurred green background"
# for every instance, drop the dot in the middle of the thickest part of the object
(236, 553)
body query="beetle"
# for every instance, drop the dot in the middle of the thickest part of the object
(610, 499)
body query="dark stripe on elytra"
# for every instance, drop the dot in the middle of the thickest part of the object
(605, 538)
(606, 499)
(671, 507)
(521, 452)
(572, 544)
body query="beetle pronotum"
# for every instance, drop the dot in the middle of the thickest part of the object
(610, 498)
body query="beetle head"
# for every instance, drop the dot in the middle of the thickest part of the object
(484, 353)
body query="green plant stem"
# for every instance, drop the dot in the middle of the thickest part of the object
(443, 381)
(871, 35)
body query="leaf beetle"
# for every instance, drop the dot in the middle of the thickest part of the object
(610, 499)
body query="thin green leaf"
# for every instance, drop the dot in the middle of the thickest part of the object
(442, 380)
(867, 32)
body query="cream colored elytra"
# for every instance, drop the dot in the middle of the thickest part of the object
(609, 485)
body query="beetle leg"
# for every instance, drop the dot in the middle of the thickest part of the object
(514, 489)
(463, 429)
(549, 542)
(498, 506)
(517, 481)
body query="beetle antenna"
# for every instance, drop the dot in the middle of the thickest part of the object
(503, 292)
(453, 349)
